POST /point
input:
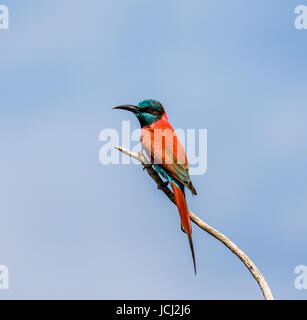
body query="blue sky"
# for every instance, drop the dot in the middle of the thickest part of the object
(73, 228)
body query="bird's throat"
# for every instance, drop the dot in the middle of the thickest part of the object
(146, 119)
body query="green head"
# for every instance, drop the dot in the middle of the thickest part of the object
(147, 111)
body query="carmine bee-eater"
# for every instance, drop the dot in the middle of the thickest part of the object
(166, 154)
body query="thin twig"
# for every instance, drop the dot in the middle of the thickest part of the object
(215, 233)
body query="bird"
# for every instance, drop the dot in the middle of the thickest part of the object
(167, 156)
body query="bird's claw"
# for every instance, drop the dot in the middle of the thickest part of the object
(162, 185)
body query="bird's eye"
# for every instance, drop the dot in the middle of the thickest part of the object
(149, 109)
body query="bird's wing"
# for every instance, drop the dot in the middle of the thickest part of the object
(162, 146)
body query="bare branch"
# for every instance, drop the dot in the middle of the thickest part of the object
(215, 233)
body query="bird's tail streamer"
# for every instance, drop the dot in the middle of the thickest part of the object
(184, 217)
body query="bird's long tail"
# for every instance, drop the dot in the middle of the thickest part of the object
(184, 216)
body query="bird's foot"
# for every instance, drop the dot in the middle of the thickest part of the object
(147, 166)
(162, 185)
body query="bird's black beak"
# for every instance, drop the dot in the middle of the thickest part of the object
(128, 107)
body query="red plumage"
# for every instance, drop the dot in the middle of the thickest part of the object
(163, 147)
